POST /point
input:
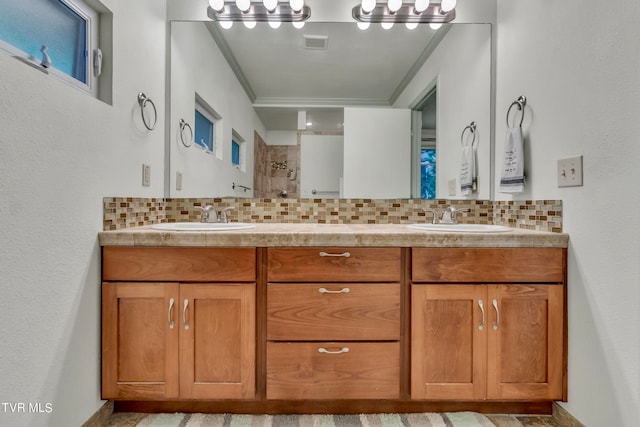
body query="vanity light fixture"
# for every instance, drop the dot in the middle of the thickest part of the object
(248, 12)
(396, 11)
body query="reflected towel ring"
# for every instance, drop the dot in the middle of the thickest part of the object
(520, 103)
(472, 128)
(184, 125)
(143, 100)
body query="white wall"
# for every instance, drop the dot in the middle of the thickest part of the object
(461, 66)
(377, 150)
(321, 165)
(197, 65)
(282, 137)
(578, 63)
(61, 152)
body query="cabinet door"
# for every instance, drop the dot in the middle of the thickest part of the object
(525, 342)
(139, 340)
(448, 342)
(217, 341)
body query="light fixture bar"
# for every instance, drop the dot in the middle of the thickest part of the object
(259, 13)
(406, 13)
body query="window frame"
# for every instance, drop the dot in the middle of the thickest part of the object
(91, 16)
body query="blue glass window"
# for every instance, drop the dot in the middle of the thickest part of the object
(428, 173)
(235, 153)
(29, 24)
(203, 134)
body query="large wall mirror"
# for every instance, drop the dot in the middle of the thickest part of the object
(327, 111)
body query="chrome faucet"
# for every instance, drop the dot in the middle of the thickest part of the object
(209, 214)
(449, 215)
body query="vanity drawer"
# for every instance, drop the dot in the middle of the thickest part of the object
(333, 264)
(178, 264)
(333, 311)
(344, 370)
(488, 265)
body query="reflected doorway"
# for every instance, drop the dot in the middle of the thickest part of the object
(424, 122)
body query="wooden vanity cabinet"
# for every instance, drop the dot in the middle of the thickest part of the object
(333, 323)
(487, 324)
(175, 340)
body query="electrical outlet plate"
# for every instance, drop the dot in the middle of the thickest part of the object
(178, 181)
(146, 175)
(570, 172)
(452, 187)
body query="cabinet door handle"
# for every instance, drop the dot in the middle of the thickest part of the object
(184, 314)
(497, 322)
(170, 314)
(327, 291)
(342, 350)
(345, 254)
(481, 305)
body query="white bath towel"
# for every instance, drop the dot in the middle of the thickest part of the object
(512, 177)
(468, 180)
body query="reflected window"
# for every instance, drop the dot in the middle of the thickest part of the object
(428, 173)
(204, 133)
(235, 153)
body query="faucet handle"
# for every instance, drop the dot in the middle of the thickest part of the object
(453, 212)
(208, 213)
(434, 212)
(223, 214)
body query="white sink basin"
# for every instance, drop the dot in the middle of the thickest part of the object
(202, 226)
(462, 228)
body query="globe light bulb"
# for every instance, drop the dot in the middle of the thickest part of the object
(421, 5)
(387, 25)
(411, 25)
(296, 5)
(447, 5)
(226, 24)
(275, 24)
(243, 5)
(394, 5)
(249, 24)
(368, 5)
(270, 5)
(217, 5)
(363, 25)
(298, 24)
(435, 25)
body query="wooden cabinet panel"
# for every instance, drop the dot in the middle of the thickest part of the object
(178, 264)
(488, 265)
(448, 347)
(333, 311)
(217, 341)
(139, 342)
(333, 370)
(333, 265)
(526, 345)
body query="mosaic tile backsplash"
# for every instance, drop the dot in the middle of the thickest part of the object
(540, 215)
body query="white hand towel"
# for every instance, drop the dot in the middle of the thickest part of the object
(512, 177)
(468, 171)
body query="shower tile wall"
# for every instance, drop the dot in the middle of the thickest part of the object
(270, 182)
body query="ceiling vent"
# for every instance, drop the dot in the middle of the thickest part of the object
(316, 42)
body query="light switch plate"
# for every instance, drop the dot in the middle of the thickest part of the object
(178, 181)
(146, 175)
(570, 172)
(452, 187)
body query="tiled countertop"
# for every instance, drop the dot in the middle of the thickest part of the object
(296, 234)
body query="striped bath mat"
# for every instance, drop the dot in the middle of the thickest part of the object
(448, 419)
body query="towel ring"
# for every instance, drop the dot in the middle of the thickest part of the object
(184, 125)
(472, 128)
(520, 103)
(143, 100)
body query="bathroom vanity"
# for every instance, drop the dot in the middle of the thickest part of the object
(333, 318)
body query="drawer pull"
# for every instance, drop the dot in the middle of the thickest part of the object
(184, 314)
(327, 291)
(170, 314)
(345, 254)
(481, 305)
(497, 322)
(342, 350)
